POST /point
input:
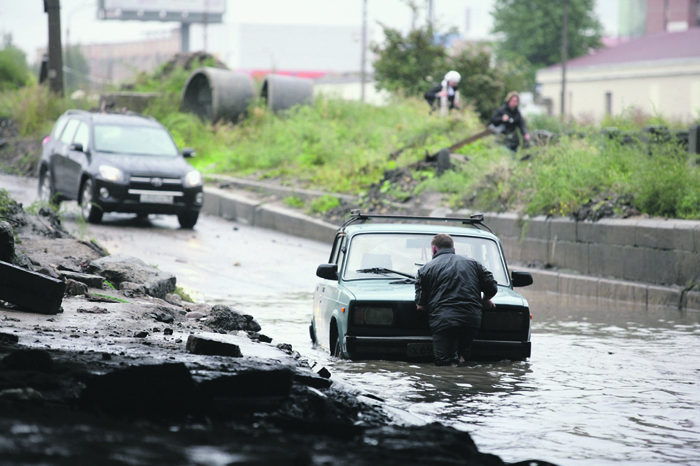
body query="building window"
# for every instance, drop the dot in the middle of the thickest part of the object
(608, 103)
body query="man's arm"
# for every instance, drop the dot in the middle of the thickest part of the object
(488, 285)
(523, 128)
(420, 296)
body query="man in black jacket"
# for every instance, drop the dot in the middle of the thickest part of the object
(507, 119)
(451, 287)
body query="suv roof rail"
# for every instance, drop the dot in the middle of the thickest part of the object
(75, 111)
(475, 220)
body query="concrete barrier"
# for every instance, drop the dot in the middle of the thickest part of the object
(594, 259)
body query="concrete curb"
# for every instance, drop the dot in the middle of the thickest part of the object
(234, 206)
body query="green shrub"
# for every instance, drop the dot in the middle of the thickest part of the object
(323, 204)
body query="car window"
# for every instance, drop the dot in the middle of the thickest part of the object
(58, 127)
(82, 135)
(69, 131)
(134, 140)
(408, 252)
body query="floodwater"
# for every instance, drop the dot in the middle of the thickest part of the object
(607, 382)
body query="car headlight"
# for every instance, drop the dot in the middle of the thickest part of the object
(374, 315)
(113, 174)
(193, 178)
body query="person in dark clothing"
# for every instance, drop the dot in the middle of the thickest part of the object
(507, 119)
(451, 287)
(448, 87)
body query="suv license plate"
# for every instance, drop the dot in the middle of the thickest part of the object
(156, 199)
(419, 350)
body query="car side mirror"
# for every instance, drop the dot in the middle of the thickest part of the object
(76, 146)
(521, 278)
(188, 152)
(327, 271)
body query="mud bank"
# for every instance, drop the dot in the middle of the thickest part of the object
(128, 373)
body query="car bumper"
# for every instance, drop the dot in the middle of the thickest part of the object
(126, 199)
(421, 347)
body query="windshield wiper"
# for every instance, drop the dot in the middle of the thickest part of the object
(382, 271)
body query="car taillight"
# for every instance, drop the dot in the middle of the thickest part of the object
(46, 140)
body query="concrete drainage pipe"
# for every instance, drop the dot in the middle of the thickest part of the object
(283, 92)
(215, 94)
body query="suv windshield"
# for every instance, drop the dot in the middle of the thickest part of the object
(134, 140)
(408, 252)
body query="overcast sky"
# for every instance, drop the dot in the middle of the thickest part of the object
(28, 24)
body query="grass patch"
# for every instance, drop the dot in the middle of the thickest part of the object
(182, 293)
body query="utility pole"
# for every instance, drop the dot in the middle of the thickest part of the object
(53, 8)
(431, 14)
(363, 55)
(564, 48)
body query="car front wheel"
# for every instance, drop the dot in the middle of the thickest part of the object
(88, 208)
(188, 219)
(47, 192)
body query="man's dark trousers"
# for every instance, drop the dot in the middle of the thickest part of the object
(451, 343)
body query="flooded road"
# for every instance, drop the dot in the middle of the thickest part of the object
(606, 383)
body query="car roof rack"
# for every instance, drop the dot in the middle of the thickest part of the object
(476, 220)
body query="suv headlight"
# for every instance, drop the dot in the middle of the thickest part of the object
(112, 174)
(192, 179)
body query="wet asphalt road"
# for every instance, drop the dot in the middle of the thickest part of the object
(607, 383)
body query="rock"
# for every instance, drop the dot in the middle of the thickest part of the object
(141, 334)
(168, 331)
(132, 290)
(211, 347)
(173, 299)
(286, 347)
(161, 314)
(163, 390)
(21, 394)
(75, 288)
(311, 379)
(28, 360)
(7, 242)
(48, 271)
(92, 281)
(255, 336)
(205, 309)
(93, 310)
(194, 315)
(8, 338)
(118, 269)
(224, 318)
(321, 371)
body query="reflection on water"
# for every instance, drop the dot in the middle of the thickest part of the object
(606, 383)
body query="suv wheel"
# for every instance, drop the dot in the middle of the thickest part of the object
(88, 208)
(47, 192)
(188, 219)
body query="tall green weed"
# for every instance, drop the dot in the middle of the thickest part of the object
(33, 108)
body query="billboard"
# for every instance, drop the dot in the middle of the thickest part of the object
(182, 11)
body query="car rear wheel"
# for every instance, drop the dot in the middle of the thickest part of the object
(88, 208)
(188, 219)
(47, 192)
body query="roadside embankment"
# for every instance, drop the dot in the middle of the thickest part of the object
(650, 262)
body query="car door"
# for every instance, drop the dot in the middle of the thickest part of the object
(328, 292)
(59, 157)
(76, 161)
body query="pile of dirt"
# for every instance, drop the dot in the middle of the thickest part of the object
(190, 61)
(18, 155)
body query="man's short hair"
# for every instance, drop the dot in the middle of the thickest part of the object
(443, 241)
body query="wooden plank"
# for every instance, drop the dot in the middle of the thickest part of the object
(31, 291)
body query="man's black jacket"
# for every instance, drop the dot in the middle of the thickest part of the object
(451, 286)
(515, 120)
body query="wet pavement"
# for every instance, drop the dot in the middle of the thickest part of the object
(606, 383)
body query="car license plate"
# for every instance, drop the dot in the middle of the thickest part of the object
(419, 350)
(156, 199)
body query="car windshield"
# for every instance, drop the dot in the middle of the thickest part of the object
(407, 252)
(134, 140)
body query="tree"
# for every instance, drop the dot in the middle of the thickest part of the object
(408, 63)
(14, 72)
(532, 29)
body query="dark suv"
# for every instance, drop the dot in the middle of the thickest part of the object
(118, 163)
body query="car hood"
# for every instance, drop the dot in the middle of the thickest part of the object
(146, 165)
(381, 290)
